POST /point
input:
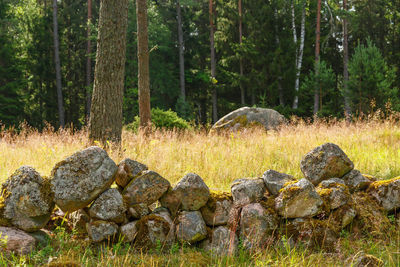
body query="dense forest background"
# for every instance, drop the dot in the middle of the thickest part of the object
(258, 50)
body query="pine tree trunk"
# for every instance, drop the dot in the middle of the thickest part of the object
(181, 51)
(347, 108)
(300, 51)
(213, 62)
(242, 100)
(88, 61)
(106, 110)
(61, 114)
(317, 52)
(143, 64)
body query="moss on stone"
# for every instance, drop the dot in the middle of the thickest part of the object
(142, 239)
(217, 196)
(377, 184)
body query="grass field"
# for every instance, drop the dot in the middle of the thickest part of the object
(373, 146)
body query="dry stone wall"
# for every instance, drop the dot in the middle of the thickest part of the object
(128, 202)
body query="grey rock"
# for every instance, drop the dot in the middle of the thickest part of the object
(342, 216)
(386, 193)
(247, 117)
(78, 220)
(191, 227)
(81, 178)
(166, 215)
(127, 170)
(325, 162)
(109, 206)
(298, 200)
(27, 201)
(154, 230)
(216, 211)
(137, 211)
(274, 181)
(147, 188)
(101, 230)
(247, 190)
(356, 181)
(16, 241)
(256, 225)
(334, 192)
(128, 232)
(221, 242)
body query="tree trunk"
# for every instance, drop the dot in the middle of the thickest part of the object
(277, 41)
(347, 108)
(317, 52)
(300, 51)
(242, 100)
(88, 61)
(105, 122)
(181, 51)
(61, 114)
(143, 64)
(213, 63)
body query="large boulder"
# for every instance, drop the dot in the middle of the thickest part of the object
(275, 181)
(298, 200)
(222, 241)
(127, 170)
(81, 178)
(325, 162)
(190, 227)
(216, 211)
(101, 230)
(16, 241)
(147, 188)
(386, 193)
(247, 117)
(247, 190)
(26, 200)
(356, 181)
(153, 230)
(109, 206)
(190, 194)
(334, 193)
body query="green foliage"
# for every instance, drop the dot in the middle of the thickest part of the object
(162, 119)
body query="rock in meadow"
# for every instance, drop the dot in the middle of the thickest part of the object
(128, 232)
(325, 162)
(16, 241)
(163, 212)
(356, 181)
(256, 225)
(109, 206)
(101, 230)
(153, 231)
(274, 181)
(190, 227)
(343, 216)
(127, 170)
(216, 211)
(147, 188)
(190, 194)
(221, 241)
(81, 178)
(298, 200)
(78, 220)
(137, 211)
(334, 192)
(247, 190)
(386, 193)
(26, 200)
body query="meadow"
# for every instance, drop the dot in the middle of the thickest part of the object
(219, 159)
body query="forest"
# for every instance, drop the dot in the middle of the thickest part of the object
(307, 58)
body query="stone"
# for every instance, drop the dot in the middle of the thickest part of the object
(81, 178)
(42, 237)
(221, 242)
(137, 211)
(256, 225)
(101, 230)
(78, 220)
(26, 200)
(153, 231)
(298, 200)
(127, 170)
(216, 211)
(247, 190)
(342, 217)
(109, 206)
(325, 162)
(147, 188)
(16, 241)
(275, 181)
(334, 193)
(355, 181)
(163, 212)
(190, 227)
(366, 260)
(386, 193)
(190, 194)
(247, 117)
(128, 231)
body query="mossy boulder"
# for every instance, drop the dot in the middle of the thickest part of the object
(81, 178)
(298, 200)
(128, 169)
(153, 230)
(26, 200)
(248, 190)
(325, 162)
(109, 206)
(137, 211)
(128, 231)
(216, 211)
(190, 227)
(16, 241)
(342, 217)
(221, 241)
(334, 193)
(356, 181)
(386, 193)
(101, 230)
(274, 181)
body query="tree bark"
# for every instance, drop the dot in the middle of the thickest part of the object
(181, 51)
(347, 108)
(317, 52)
(105, 122)
(61, 113)
(242, 93)
(143, 64)
(88, 61)
(213, 63)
